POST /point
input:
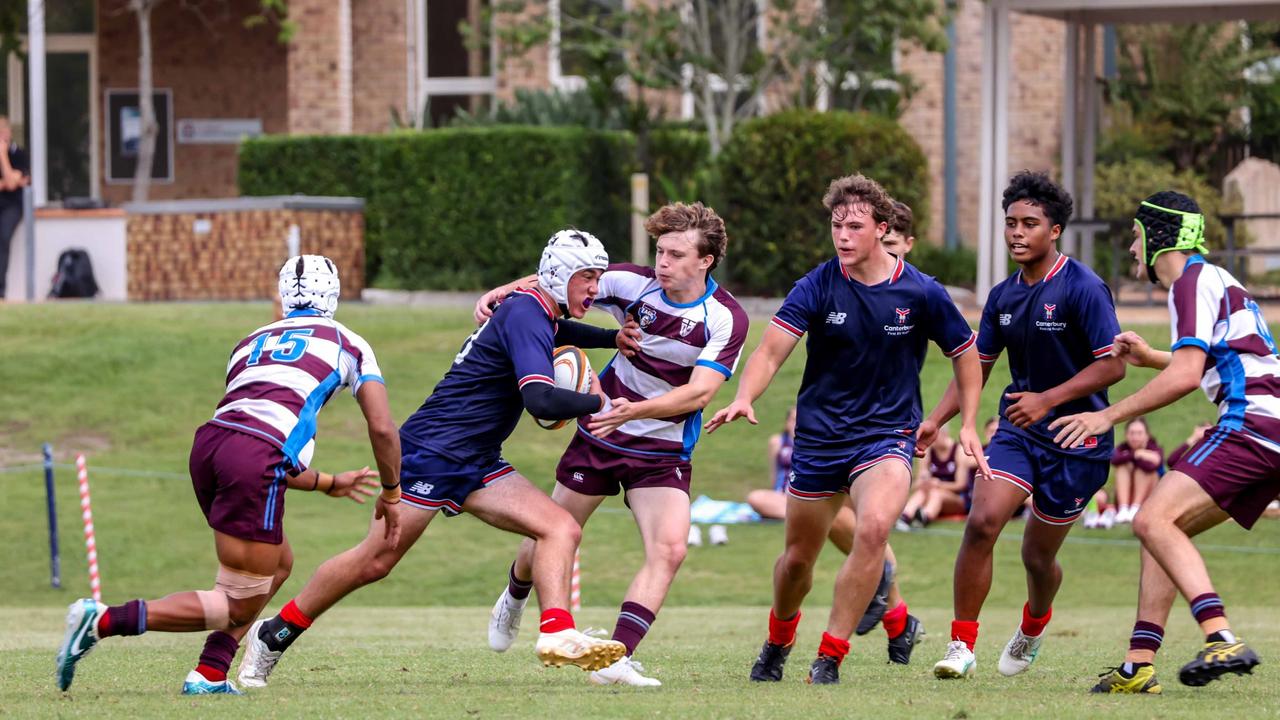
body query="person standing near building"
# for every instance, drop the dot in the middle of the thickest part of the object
(15, 174)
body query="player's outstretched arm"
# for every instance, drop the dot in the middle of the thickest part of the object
(1181, 376)
(1133, 349)
(1030, 408)
(774, 349)
(385, 441)
(693, 395)
(970, 377)
(484, 306)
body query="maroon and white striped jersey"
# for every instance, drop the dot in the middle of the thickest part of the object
(677, 337)
(280, 376)
(1209, 309)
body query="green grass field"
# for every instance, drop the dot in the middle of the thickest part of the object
(128, 385)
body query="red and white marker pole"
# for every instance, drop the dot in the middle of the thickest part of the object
(86, 513)
(575, 584)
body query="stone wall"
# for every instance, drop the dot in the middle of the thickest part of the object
(234, 254)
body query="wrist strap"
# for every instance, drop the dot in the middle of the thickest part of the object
(323, 484)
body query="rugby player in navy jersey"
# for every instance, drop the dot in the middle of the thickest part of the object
(1221, 343)
(452, 461)
(690, 332)
(1057, 320)
(870, 317)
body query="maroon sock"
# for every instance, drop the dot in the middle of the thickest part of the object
(1207, 606)
(1146, 636)
(127, 619)
(517, 588)
(634, 620)
(219, 650)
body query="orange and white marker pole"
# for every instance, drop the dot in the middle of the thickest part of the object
(86, 513)
(575, 584)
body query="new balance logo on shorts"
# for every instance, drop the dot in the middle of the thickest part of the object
(422, 488)
(836, 318)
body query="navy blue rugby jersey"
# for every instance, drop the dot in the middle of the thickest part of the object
(866, 347)
(1052, 330)
(477, 404)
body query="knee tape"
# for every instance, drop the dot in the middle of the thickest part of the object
(229, 585)
(238, 586)
(217, 611)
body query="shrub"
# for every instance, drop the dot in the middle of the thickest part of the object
(774, 172)
(457, 208)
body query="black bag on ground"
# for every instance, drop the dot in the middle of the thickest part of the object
(74, 278)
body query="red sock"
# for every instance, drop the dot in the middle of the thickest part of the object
(895, 621)
(965, 631)
(292, 615)
(833, 647)
(1033, 626)
(211, 674)
(555, 620)
(103, 624)
(782, 632)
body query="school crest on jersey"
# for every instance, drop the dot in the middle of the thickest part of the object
(902, 322)
(1050, 321)
(646, 316)
(686, 326)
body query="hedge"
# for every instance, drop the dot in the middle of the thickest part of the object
(470, 207)
(774, 173)
(457, 208)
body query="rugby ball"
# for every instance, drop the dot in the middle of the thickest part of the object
(572, 371)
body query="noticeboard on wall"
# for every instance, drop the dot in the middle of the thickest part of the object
(124, 134)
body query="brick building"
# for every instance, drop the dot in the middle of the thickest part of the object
(355, 66)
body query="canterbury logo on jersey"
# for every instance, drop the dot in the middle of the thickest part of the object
(836, 318)
(900, 324)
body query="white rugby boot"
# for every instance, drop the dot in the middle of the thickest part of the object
(624, 672)
(504, 621)
(959, 662)
(1019, 653)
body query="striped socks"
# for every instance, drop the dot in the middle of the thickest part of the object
(634, 620)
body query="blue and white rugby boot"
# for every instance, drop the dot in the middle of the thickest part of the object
(81, 636)
(196, 684)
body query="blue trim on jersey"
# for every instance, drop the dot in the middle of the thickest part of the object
(1190, 342)
(711, 288)
(268, 516)
(245, 428)
(692, 431)
(633, 451)
(304, 312)
(371, 378)
(1232, 374)
(715, 366)
(305, 430)
(1196, 259)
